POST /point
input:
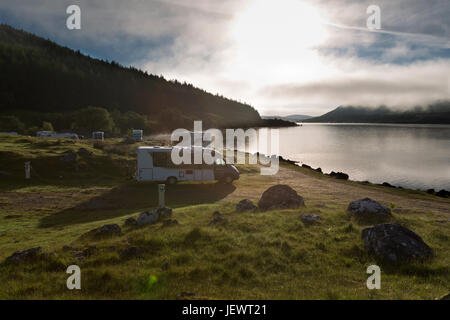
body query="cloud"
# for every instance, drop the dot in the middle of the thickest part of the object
(406, 63)
(372, 85)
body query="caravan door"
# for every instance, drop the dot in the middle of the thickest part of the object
(198, 176)
(146, 174)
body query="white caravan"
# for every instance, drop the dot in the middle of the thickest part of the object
(138, 135)
(155, 164)
(50, 134)
(98, 135)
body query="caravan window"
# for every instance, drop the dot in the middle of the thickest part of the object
(220, 162)
(162, 159)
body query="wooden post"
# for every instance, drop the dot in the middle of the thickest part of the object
(27, 170)
(161, 191)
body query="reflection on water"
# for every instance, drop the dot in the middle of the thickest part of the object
(412, 156)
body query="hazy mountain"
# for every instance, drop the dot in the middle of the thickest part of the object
(293, 117)
(437, 113)
(39, 76)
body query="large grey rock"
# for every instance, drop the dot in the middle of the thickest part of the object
(245, 205)
(310, 218)
(368, 208)
(148, 217)
(395, 243)
(339, 175)
(130, 222)
(443, 193)
(154, 216)
(164, 212)
(24, 256)
(108, 230)
(217, 219)
(280, 197)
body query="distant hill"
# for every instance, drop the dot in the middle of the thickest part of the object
(39, 76)
(294, 117)
(438, 113)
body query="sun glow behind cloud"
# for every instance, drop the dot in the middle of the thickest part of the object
(283, 57)
(272, 42)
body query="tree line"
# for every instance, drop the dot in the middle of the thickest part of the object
(42, 81)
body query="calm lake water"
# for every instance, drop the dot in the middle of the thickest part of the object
(412, 156)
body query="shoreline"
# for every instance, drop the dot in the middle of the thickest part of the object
(443, 193)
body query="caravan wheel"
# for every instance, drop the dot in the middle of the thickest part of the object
(171, 180)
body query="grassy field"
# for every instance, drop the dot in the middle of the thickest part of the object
(262, 255)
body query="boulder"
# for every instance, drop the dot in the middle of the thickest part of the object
(368, 208)
(24, 256)
(310, 218)
(280, 197)
(318, 170)
(217, 219)
(387, 184)
(245, 205)
(164, 212)
(130, 222)
(154, 216)
(306, 166)
(147, 217)
(443, 193)
(395, 243)
(79, 255)
(108, 230)
(287, 160)
(339, 175)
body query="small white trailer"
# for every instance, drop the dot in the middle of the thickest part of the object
(42, 134)
(138, 135)
(98, 135)
(155, 164)
(50, 134)
(10, 133)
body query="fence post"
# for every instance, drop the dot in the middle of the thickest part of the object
(161, 191)
(27, 170)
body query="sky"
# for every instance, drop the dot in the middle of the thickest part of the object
(282, 57)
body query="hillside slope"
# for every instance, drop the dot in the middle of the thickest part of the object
(251, 255)
(40, 76)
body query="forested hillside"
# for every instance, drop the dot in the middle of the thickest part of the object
(437, 113)
(42, 81)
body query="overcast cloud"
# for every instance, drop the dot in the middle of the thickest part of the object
(279, 56)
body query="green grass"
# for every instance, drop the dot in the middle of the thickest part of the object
(263, 255)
